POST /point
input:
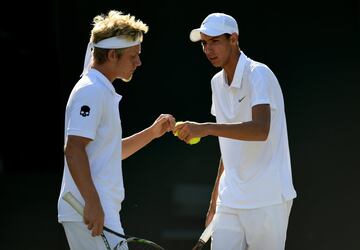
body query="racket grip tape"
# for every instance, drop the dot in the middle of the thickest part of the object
(75, 203)
(207, 232)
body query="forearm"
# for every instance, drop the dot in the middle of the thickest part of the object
(79, 168)
(215, 192)
(255, 130)
(247, 131)
(214, 195)
(164, 123)
(135, 142)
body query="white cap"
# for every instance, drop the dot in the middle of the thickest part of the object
(215, 24)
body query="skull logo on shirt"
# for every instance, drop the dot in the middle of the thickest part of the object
(85, 111)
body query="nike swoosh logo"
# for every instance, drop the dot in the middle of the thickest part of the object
(241, 99)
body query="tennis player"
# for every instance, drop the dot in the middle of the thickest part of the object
(253, 192)
(94, 147)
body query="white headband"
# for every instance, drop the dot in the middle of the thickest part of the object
(108, 43)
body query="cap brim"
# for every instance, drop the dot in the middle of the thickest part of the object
(195, 35)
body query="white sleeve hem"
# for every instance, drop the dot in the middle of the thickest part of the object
(87, 134)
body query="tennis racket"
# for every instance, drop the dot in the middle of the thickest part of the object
(127, 242)
(204, 236)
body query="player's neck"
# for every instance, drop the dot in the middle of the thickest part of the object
(105, 70)
(230, 67)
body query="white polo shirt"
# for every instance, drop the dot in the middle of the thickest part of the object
(256, 173)
(92, 112)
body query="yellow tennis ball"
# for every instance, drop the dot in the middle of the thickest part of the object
(192, 140)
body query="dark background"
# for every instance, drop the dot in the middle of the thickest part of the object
(313, 48)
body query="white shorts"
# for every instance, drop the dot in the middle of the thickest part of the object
(251, 229)
(79, 237)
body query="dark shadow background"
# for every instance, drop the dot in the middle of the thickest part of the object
(313, 48)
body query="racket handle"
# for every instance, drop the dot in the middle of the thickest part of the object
(199, 245)
(204, 236)
(207, 232)
(75, 203)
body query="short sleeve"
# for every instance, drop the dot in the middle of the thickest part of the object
(259, 87)
(84, 112)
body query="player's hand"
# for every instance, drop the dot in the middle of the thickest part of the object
(164, 123)
(188, 130)
(94, 216)
(198, 246)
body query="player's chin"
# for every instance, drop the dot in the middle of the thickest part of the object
(215, 63)
(126, 79)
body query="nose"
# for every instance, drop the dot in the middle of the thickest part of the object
(206, 48)
(138, 62)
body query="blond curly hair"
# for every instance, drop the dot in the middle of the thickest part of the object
(115, 23)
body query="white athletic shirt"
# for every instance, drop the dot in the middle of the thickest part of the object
(92, 112)
(256, 173)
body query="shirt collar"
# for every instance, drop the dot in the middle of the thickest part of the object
(239, 71)
(104, 81)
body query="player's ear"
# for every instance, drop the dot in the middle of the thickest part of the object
(111, 54)
(234, 37)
